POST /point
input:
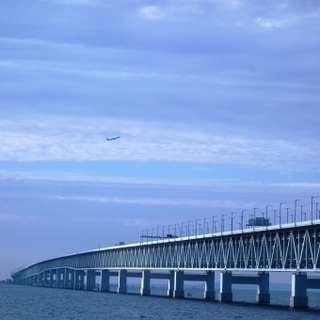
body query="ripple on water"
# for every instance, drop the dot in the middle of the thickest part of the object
(34, 303)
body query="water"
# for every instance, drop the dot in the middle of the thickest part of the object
(31, 303)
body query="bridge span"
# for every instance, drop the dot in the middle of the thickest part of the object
(245, 256)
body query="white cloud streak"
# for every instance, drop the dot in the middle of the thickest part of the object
(151, 201)
(63, 139)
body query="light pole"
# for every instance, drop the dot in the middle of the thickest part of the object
(232, 213)
(212, 224)
(275, 216)
(295, 210)
(254, 217)
(312, 207)
(204, 226)
(287, 214)
(267, 206)
(280, 207)
(181, 230)
(301, 205)
(317, 210)
(197, 227)
(242, 219)
(189, 229)
(222, 223)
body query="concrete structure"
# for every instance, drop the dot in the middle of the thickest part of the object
(245, 256)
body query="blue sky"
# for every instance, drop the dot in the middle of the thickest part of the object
(216, 103)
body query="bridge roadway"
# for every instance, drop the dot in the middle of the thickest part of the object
(244, 256)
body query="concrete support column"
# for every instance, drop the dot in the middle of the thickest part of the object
(79, 280)
(66, 278)
(105, 281)
(145, 283)
(178, 291)
(91, 280)
(31, 281)
(46, 274)
(59, 278)
(71, 278)
(41, 279)
(263, 294)
(51, 280)
(299, 298)
(170, 284)
(122, 281)
(225, 286)
(209, 293)
(35, 280)
(55, 278)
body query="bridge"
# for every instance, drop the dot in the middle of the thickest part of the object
(244, 256)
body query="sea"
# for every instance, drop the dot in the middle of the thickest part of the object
(30, 303)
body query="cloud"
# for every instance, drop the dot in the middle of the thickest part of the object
(66, 139)
(152, 13)
(155, 201)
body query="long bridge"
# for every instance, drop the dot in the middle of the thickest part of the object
(244, 256)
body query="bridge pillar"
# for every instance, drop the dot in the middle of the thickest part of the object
(170, 285)
(29, 281)
(41, 279)
(178, 285)
(225, 286)
(263, 294)
(145, 283)
(45, 278)
(60, 278)
(35, 280)
(72, 274)
(91, 280)
(51, 278)
(209, 293)
(65, 278)
(79, 280)
(105, 281)
(56, 278)
(299, 298)
(68, 278)
(122, 281)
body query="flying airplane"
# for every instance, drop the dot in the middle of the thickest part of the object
(114, 138)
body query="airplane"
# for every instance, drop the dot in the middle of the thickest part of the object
(114, 138)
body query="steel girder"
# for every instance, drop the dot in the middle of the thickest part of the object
(286, 249)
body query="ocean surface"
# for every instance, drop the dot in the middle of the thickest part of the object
(30, 303)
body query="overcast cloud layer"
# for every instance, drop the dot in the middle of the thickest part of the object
(216, 104)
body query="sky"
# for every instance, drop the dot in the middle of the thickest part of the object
(216, 103)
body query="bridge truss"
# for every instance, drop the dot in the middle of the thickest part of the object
(293, 248)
